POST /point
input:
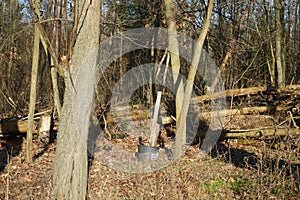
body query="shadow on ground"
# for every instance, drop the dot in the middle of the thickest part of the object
(10, 147)
(245, 159)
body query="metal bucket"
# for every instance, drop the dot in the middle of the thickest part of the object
(147, 153)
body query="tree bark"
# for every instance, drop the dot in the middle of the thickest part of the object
(56, 41)
(181, 131)
(278, 53)
(56, 99)
(70, 166)
(175, 60)
(34, 72)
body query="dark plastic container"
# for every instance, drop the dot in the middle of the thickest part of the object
(147, 153)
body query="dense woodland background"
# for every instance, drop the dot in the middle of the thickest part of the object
(252, 45)
(255, 44)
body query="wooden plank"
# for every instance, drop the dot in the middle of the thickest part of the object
(154, 128)
(45, 124)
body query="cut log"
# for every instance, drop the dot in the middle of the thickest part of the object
(19, 126)
(13, 126)
(251, 110)
(236, 112)
(253, 133)
(145, 114)
(291, 89)
(135, 113)
(45, 124)
(44, 130)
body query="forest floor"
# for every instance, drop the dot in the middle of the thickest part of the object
(264, 168)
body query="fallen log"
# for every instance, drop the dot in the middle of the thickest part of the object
(14, 126)
(291, 89)
(236, 112)
(20, 127)
(120, 114)
(251, 133)
(145, 114)
(111, 119)
(250, 110)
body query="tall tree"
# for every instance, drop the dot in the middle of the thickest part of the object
(175, 60)
(71, 167)
(181, 132)
(56, 40)
(33, 86)
(278, 53)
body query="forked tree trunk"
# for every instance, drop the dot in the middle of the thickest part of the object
(175, 60)
(70, 166)
(174, 54)
(181, 131)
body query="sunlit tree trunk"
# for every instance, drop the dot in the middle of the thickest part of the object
(179, 142)
(175, 62)
(56, 41)
(33, 86)
(70, 166)
(278, 53)
(14, 4)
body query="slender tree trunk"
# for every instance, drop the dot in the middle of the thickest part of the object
(34, 72)
(70, 166)
(270, 62)
(181, 131)
(283, 43)
(14, 4)
(56, 98)
(58, 46)
(175, 60)
(231, 46)
(278, 53)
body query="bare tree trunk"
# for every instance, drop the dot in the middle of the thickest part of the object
(34, 72)
(13, 11)
(181, 131)
(56, 99)
(70, 166)
(57, 45)
(283, 43)
(278, 53)
(175, 60)
(231, 46)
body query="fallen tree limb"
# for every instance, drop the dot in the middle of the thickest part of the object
(236, 112)
(145, 114)
(39, 113)
(250, 110)
(134, 114)
(15, 126)
(252, 133)
(20, 127)
(292, 89)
